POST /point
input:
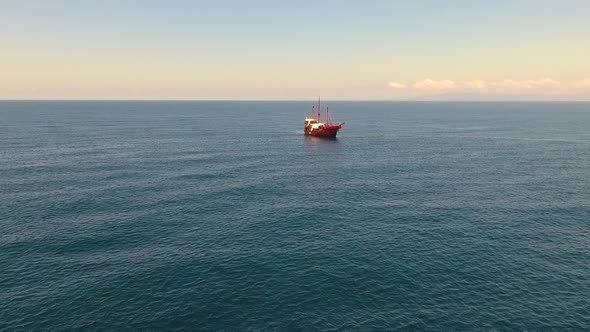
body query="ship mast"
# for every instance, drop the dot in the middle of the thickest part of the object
(319, 120)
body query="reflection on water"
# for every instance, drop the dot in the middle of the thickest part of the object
(322, 145)
(321, 140)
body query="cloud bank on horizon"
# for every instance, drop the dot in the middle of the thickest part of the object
(528, 87)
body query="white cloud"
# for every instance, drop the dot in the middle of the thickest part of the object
(397, 85)
(549, 83)
(582, 84)
(429, 84)
(477, 84)
(543, 85)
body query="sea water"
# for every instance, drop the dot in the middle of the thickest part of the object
(224, 216)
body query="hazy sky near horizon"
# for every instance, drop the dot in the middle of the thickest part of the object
(58, 49)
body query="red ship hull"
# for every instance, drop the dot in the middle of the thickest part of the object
(327, 131)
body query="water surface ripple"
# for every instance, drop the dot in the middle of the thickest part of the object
(223, 216)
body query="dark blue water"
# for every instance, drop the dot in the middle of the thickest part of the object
(223, 216)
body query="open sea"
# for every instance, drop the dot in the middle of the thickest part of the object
(145, 215)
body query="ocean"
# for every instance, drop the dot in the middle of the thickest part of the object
(215, 215)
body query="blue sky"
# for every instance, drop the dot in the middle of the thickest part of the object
(293, 50)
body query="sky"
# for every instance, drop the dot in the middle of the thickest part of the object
(295, 50)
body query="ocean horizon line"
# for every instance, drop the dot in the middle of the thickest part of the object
(306, 100)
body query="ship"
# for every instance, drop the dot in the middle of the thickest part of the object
(315, 127)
